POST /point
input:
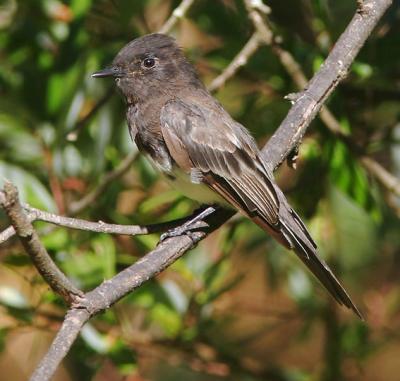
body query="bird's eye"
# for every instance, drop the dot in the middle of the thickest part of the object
(149, 62)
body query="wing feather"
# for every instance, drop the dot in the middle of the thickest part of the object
(224, 153)
(229, 162)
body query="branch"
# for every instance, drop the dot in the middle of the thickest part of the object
(78, 206)
(110, 291)
(286, 138)
(34, 214)
(31, 242)
(73, 323)
(6, 234)
(333, 70)
(178, 13)
(389, 181)
(294, 70)
(240, 60)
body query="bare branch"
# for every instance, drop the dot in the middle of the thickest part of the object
(110, 291)
(98, 227)
(333, 70)
(73, 323)
(259, 24)
(178, 13)
(31, 242)
(6, 234)
(240, 60)
(102, 227)
(281, 144)
(390, 182)
(294, 70)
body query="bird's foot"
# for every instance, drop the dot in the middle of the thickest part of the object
(179, 231)
(189, 227)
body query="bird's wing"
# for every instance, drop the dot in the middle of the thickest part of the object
(226, 158)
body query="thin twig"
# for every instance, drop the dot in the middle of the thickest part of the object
(293, 68)
(334, 69)
(390, 182)
(240, 60)
(34, 214)
(31, 242)
(7, 233)
(178, 13)
(77, 206)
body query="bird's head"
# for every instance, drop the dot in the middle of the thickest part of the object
(149, 65)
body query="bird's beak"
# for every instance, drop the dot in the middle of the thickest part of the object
(111, 71)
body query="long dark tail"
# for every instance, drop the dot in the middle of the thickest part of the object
(306, 249)
(294, 235)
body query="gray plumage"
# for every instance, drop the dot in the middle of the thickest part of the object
(184, 130)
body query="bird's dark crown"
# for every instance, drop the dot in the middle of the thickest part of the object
(152, 64)
(149, 45)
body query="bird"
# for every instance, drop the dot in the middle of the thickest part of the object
(201, 150)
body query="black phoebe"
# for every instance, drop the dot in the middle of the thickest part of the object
(210, 157)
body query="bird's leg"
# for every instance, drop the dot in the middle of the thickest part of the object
(291, 159)
(190, 225)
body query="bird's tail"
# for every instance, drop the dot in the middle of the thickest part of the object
(294, 235)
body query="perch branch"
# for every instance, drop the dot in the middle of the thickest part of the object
(110, 291)
(294, 70)
(73, 323)
(286, 138)
(34, 214)
(333, 70)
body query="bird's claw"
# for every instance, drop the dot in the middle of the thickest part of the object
(189, 228)
(185, 229)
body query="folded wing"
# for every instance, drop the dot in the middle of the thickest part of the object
(219, 152)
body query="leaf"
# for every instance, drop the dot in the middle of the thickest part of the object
(11, 297)
(90, 268)
(168, 319)
(354, 237)
(30, 189)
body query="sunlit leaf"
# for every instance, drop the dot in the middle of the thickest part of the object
(30, 189)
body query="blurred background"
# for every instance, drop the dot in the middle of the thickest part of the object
(237, 307)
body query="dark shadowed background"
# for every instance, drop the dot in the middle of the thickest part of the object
(238, 307)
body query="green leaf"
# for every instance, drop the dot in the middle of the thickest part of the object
(30, 189)
(168, 319)
(90, 268)
(354, 240)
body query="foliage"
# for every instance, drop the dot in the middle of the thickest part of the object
(237, 307)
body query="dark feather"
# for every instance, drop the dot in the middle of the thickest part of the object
(230, 162)
(179, 125)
